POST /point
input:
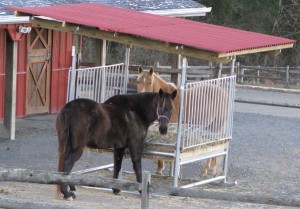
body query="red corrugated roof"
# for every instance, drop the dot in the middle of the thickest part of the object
(173, 30)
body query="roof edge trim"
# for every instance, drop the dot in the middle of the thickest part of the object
(13, 20)
(257, 50)
(191, 12)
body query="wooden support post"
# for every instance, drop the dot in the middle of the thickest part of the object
(287, 78)
(146, 190)
(220, 70)
(210, 66)
(258, 72)
(232, 65)
(101, 52)
(175, 64)
(238, 72)
(11, 90)
(242, 75)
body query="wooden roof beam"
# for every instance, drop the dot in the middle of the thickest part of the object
(128, 39)
(271, 49)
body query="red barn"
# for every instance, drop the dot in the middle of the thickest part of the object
(43, 59)
(44, 56)
(34, 61)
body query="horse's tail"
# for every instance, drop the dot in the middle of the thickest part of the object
(63, 134)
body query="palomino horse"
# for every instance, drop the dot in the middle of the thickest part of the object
(148, 81)
(119, 123)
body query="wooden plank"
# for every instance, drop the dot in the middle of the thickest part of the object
(233, 197)
(128, 39)
(247, 101)
(11, 90)
(30, 176)
(257, 50)
(13, 203)
(38, 71)
(146, 190)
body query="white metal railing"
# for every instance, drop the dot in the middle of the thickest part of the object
(207, 111)
(100, 83)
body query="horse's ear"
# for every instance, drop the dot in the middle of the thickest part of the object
(140, 69)
(151, 71)
(161, 92)
(174, 93)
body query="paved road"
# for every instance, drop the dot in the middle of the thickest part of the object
(275, 97)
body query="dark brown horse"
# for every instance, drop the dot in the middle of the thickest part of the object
(119, 123)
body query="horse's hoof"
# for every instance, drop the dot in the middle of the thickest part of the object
(203, 174)
(71, 196)
(212, 172)
(158, 173)
(116, 191)
(72, 188)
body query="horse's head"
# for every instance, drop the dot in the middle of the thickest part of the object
(164, 109)
(145, 80)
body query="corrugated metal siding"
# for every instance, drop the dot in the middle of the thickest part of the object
(61, 61)
(184, 32)
(2, 71)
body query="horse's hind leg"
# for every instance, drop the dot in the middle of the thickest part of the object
(205, 168)
(69, 162)
(210, 167)
(118, 158)
(160, 167)
(213, 166)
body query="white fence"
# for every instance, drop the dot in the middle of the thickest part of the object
(100, 83)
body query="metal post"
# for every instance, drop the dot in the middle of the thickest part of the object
(177, 152)
(73, 75)
(126, 63)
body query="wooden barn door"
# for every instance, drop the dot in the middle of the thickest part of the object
(39, 43)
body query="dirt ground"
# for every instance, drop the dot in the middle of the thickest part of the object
(263, 158)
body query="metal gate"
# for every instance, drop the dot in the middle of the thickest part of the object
(208, 114)
(99, 83)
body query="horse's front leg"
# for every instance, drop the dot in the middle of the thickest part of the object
(118, 158)
(136, 155)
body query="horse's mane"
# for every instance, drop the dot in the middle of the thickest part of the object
(162, 80)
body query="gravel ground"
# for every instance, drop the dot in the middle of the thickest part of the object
(263, 158)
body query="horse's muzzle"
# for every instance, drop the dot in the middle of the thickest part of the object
(163, 129)
(163, 125)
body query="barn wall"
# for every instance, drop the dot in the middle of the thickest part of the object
(21, 74)
(2, 70)
(61, 62)
(21, 78)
